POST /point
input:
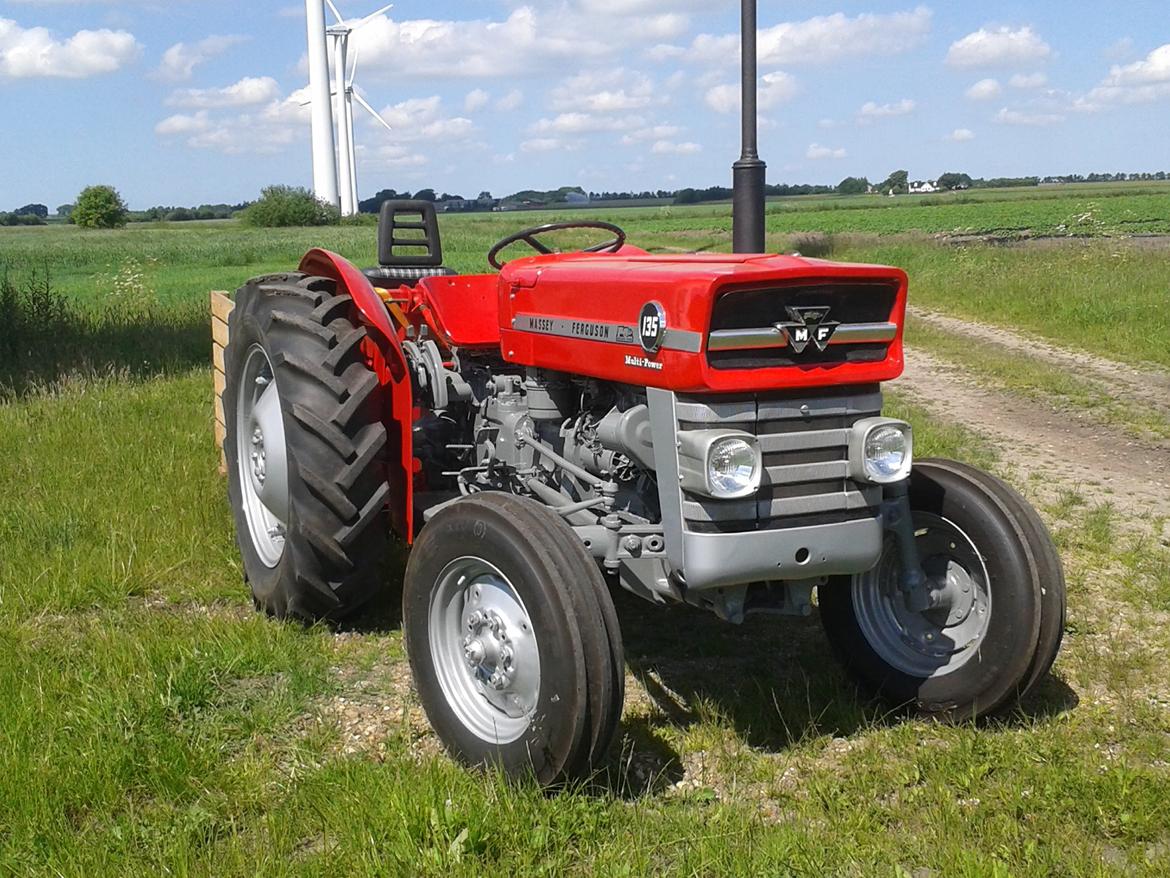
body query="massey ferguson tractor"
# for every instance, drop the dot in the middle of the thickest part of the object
(704, 429)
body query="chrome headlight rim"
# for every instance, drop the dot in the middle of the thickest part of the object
(860, 460)
(697, 450)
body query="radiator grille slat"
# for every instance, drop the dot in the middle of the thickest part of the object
(805, 442)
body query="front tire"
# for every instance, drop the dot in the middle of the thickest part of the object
(304, 449)
(512, 639)
(998, 630)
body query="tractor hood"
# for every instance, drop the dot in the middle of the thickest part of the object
(704, 322)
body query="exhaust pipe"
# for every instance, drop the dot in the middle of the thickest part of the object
(749, 173)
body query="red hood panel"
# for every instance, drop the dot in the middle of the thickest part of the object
(574, 313)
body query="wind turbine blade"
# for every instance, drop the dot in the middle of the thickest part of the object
(308, 101)
(365, 105)
(340, 18)
(373, 15)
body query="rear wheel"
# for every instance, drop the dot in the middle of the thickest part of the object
(997, 629)
(513, 640)
(304, 445)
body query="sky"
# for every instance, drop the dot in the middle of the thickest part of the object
(202, 101)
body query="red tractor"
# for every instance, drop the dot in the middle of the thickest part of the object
(704, 429)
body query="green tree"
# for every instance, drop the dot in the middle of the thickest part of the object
(100, 207)
(853, 186)
(898, 183)
(281, 206)
(425, 195)
(954, 181)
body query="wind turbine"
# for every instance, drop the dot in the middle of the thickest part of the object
(346, 95)
(335, 161)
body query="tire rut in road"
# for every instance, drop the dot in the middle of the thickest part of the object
(1052, 450)
(1147, 386)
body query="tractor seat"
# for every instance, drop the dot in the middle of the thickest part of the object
(409, 247)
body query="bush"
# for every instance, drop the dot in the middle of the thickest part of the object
(281, 206)
(100, 207)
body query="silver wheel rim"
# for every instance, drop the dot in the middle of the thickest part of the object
(938, 641)
(484, 650)
(262, 456)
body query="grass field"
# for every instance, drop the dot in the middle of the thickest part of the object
(153, 724)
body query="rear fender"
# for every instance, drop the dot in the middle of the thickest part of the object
(384, 352)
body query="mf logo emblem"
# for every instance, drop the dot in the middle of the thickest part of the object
(809, 326)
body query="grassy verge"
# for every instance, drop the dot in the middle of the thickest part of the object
(154, 724)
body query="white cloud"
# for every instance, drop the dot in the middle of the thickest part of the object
(654, 132)
(608, 91)
(531, 39)
(1029, 80)
(816, 152)
(547, 144)
(824, 39)
(961, 135)
(1141, 82)
(1001, 47)
(985, 90)
(1154, 68)
(586, 123)
(180, 124)
(1023, 117)
(180, 60)
(872, 111)
(33, 52)
(476, 99)
(668, 147)
(774, 89)
(248, 92)
(511, 101)
(422, 119)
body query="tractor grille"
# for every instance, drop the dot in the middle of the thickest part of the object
(747, 326)
(805, 443)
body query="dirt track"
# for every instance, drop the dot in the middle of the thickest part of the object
(1053, 450)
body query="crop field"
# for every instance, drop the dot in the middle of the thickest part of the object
(154, 724)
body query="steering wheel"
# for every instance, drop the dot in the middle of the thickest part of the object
(530, 237)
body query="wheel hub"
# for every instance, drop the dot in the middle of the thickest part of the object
(485, 650)
(943, 637)
(259, 459)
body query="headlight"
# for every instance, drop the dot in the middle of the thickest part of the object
(722, 464)
(881, 451)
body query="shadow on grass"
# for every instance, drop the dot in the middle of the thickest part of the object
(46, 340)
(774, 681)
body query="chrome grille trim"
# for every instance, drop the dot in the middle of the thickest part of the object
(768, 337)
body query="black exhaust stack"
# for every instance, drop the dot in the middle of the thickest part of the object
(750, 173)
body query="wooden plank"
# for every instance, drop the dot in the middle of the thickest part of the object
(217, 358)
(220, 384)
(219, 332)
(219, 411)
(221, 306)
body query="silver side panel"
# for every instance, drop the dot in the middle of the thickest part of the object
(663, 427)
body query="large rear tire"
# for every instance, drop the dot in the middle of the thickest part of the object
(513, 639)
(999, 629)
(304, 449)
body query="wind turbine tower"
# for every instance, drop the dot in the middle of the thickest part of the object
(335, 160)
(324, 146)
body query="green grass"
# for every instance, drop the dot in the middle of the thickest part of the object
(153, 724)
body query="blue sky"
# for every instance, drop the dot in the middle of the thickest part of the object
(194, 101)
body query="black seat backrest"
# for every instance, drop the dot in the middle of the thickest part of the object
(408, 235)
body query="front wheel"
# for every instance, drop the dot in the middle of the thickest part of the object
(512, 639)
(996, 630)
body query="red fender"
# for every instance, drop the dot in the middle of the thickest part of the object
(389, 363)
